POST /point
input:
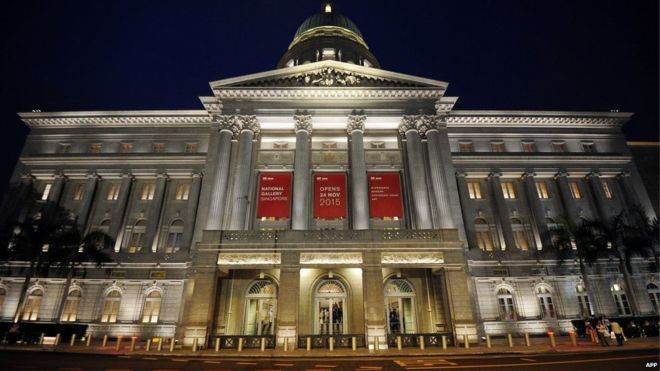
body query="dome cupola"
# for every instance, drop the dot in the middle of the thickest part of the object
(328, 36)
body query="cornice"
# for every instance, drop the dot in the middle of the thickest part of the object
(116, 118)
(102, 160)
(561, 119)
(525, 158)
(327, 93)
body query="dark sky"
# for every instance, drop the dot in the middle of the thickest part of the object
(547, 55)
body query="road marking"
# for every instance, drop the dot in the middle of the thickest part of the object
(284, 364)
(503, 365)
(400, 363)
(325, 366)
(528, 359)
(247, 363)
(371, 367)
(70, 368)
(214, 362)
(150, 358)
(124, 357)
(447, 362)
(179, 360)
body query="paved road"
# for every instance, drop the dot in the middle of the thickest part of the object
(615, 361)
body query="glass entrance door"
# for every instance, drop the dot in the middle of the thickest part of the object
(330, 305)
(400, 307)
(260, 308)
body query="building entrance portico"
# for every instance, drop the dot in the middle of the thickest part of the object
(330, 302)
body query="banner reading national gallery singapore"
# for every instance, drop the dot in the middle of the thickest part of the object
(274, 200)
(330, 195)
(385, 195)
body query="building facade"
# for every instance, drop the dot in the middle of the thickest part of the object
(327, 197)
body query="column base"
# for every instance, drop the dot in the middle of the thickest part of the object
(374, 332)
(192, 332)
(287, 332)
(469, 329)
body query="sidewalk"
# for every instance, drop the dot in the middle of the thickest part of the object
(538, 346)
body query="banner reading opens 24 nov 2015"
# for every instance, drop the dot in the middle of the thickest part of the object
(274, 199)
(330, 195)
(384, 195)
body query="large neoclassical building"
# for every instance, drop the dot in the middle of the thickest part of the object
(327, 197)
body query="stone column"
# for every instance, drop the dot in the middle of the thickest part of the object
(570, 207)
(86, 204)
(241, 182)
(288, 297)
(430, 126)
(502, 217)
(301, 174)
(460, 307)
(229, 129)
(23, 203)
(417, 172)
(152, 230)
(359, 192)
(629, 193)
(539, 226)
(54, 195)
(374, 300)
(467, 207)
(191, 214)
(119, 216)
(598, 194)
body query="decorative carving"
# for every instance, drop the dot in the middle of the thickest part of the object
(249, 259)
(249, 122)
(412, 258)
(329, 76)
(552, 119)
(355, 122)
(408, 122)
(331, 258)
(230, 123)
(429, 122)
(303, 121)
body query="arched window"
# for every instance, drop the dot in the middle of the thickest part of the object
(104, 226)
(505, 304)
(583, 301)
(330, 304)
(261, 307)
(654, 295)
(546, 306)
(70, 310)
(136, 242)
(621, 300)
(111, 307)
(519, 234)
(32, 305)
(400, 306)
(174, 237)
(151, 307)
(484, 238)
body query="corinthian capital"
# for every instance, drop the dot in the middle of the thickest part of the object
(249, 122)
(229, 123)
(426, 123)
(355, 122)
(303, 122)
(408, 122)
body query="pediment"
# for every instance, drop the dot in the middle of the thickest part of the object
(330, 74)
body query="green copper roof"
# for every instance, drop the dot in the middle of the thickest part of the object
(327, 19)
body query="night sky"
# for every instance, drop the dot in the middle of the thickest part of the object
(521, 55)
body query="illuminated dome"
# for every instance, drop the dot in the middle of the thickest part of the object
(328, 36)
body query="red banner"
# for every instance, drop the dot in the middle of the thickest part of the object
(330, 195)
(274, 199)
(385, 195)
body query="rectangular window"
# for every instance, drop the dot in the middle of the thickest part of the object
(147, 193)
(508, 190)
(575, 190)
(113, 192)
(158, 147)
(474, 189)
(182, 192)
(78, 192)
(95, 147)
(174, 241)
(136, 241)
(126, 147)
(64, 148)
(465, 147)
(190, 148)
(606, 189)
(497, 147)
(588, 147)
(520, 238)
(542, 190)
(484, 241)
(529, 146)
(46, 192)
(559, 147)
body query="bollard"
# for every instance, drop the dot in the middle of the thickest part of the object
(133, 340)
(553, 343)
(444, 342)
(72, 342)
(263, 344)
(353, 343)
(421, 342)
(147, 347)
(527, 342)
(331, 343)
(118, 345)
(194, 346)
(571, 334)
(171, 344)
(466, 341)
(488, 344)
(509, 338)
(376, 343)
(160, 344)
(240, 344)
(105, 341)
(217, 344)
(286, 344)
(89, 341)
(57, 339)
(41, 338)
(398, 343)
(309, 344)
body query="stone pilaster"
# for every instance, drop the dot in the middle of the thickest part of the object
(359, 192)
(22, 203)
(570, 207)
(539, 225)
(193, 201)
(374, 299)
(119, 212)
(151, 233)
(417, 172)
(301, 174)
(600, 202)
(55, 195)
(468, 214)
(86, 204)
(502, 214)
(241, 184)
(460, 307)
(288, 300)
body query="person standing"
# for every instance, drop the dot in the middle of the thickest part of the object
(603, 334)
(618, 332)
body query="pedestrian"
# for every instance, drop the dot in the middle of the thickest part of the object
(603, 334)
(618, 332)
